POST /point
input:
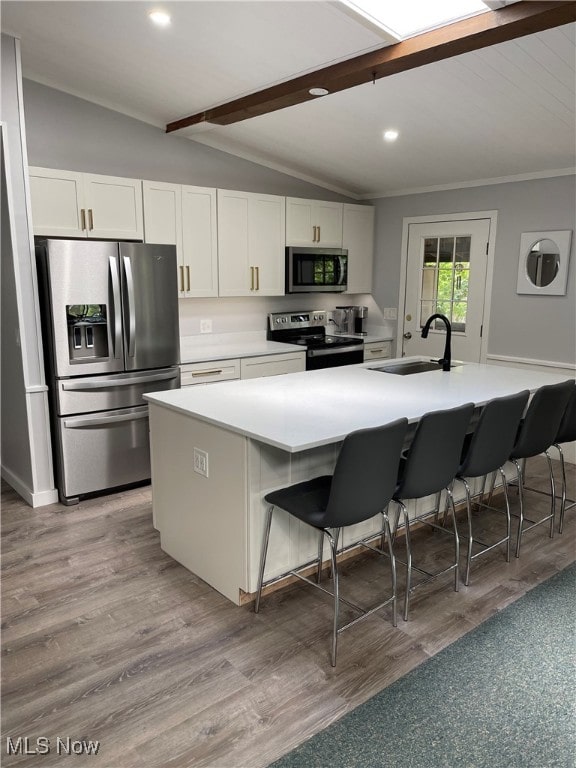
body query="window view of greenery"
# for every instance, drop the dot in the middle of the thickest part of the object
(445, 275)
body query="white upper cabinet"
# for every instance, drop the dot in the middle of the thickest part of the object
(313, 222)
(185, 216)
(71, 204)
(251, 242)
(358, 239)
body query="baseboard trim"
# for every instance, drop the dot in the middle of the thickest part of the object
(33, 498)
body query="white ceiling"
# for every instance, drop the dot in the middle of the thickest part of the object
(500, 112)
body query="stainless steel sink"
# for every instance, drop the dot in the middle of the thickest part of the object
(410, 366)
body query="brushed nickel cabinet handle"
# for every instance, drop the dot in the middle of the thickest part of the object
(257, 278)
(82, 218)
(181, 279)
(319, 235)
(90, 219)
(187, 278)
(251, 278)
(314, 237)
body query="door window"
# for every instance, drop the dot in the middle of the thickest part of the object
(444, 280)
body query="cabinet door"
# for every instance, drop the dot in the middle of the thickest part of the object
(272, 365)
(328, 218)
(163, 219)
(234, 275)
(266, 243)
(199, 242)
(114, 207)
(313, 222)
(358, 238)
(57, 203)
(300, 227)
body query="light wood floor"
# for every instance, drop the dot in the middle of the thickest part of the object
(106, 638)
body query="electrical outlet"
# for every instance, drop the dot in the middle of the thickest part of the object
(205, 326)
(390, 313)
(200, 462)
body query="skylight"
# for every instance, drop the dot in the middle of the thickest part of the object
(404, 18)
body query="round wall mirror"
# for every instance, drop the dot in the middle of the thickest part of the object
(543, 262)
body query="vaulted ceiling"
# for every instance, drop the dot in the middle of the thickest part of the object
(499, 112)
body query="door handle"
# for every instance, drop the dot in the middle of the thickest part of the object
(251, 278)
(90, 219)
(187, 278)
(100, 421)
(181, 279)
(116, 306)
(314, 235)
(257, 278)
(319, 235)
(131, 306)
(407, 335)
(99, 383)
(82, 218)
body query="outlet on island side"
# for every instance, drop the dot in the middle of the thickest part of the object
(205, 325)
(201, 462)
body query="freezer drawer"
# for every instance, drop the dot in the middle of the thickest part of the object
(104, 393)
(101, 451)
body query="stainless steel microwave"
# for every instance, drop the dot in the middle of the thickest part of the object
(316, 270)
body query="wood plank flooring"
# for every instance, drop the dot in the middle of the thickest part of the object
(106, 638)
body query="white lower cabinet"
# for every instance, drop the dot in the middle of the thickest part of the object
(272, 365)
(71, 204)
(209, 372)
(377, 350)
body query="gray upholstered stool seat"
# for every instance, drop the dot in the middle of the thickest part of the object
(361, 487)
(538, 432)
(485, 451)
(428, 468)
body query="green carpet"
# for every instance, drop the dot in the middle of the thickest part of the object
(502, 696)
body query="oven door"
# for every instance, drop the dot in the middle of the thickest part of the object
(316, 270)
(334, 356)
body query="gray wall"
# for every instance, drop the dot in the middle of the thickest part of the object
(534, 327)
(69, 133)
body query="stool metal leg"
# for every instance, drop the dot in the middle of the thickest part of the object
(552, 495)
(333, 550)
(456, 541)
(392, 567)
(408, 559)
(520, 482)
(320, 556)
(265, 541)
(508, 519)
(470, 539)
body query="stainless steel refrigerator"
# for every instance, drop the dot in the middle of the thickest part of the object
(110, 328)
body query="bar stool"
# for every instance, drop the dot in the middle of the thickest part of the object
(538, 432)
(361, 487)
(566, 434)
(428, 468)
(486, 450)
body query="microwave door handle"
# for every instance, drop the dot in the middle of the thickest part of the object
(116, 306)
(131, 307)
(338, 267)
(342, 269)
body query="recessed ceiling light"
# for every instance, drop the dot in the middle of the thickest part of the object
(318, 91)
(390, 135)
(160, 18)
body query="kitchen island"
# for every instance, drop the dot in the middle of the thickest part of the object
(217, 450)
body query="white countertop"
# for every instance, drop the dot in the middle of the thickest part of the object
(223, 346)
(299, 411)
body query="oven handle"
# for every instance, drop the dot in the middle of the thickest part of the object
(335, 350)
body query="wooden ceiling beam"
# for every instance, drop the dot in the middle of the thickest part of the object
(513, 21)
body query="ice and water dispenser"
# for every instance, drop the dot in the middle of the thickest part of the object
(87, 331)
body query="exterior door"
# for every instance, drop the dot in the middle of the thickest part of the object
(446, 273)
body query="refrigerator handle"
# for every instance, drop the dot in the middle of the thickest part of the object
(131, 308)
(100, 421)
(117, 306)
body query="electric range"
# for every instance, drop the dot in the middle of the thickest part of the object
(308, 329)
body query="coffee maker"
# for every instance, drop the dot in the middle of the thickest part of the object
(351, 319)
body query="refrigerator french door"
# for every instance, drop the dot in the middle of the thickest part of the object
(110, 317)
